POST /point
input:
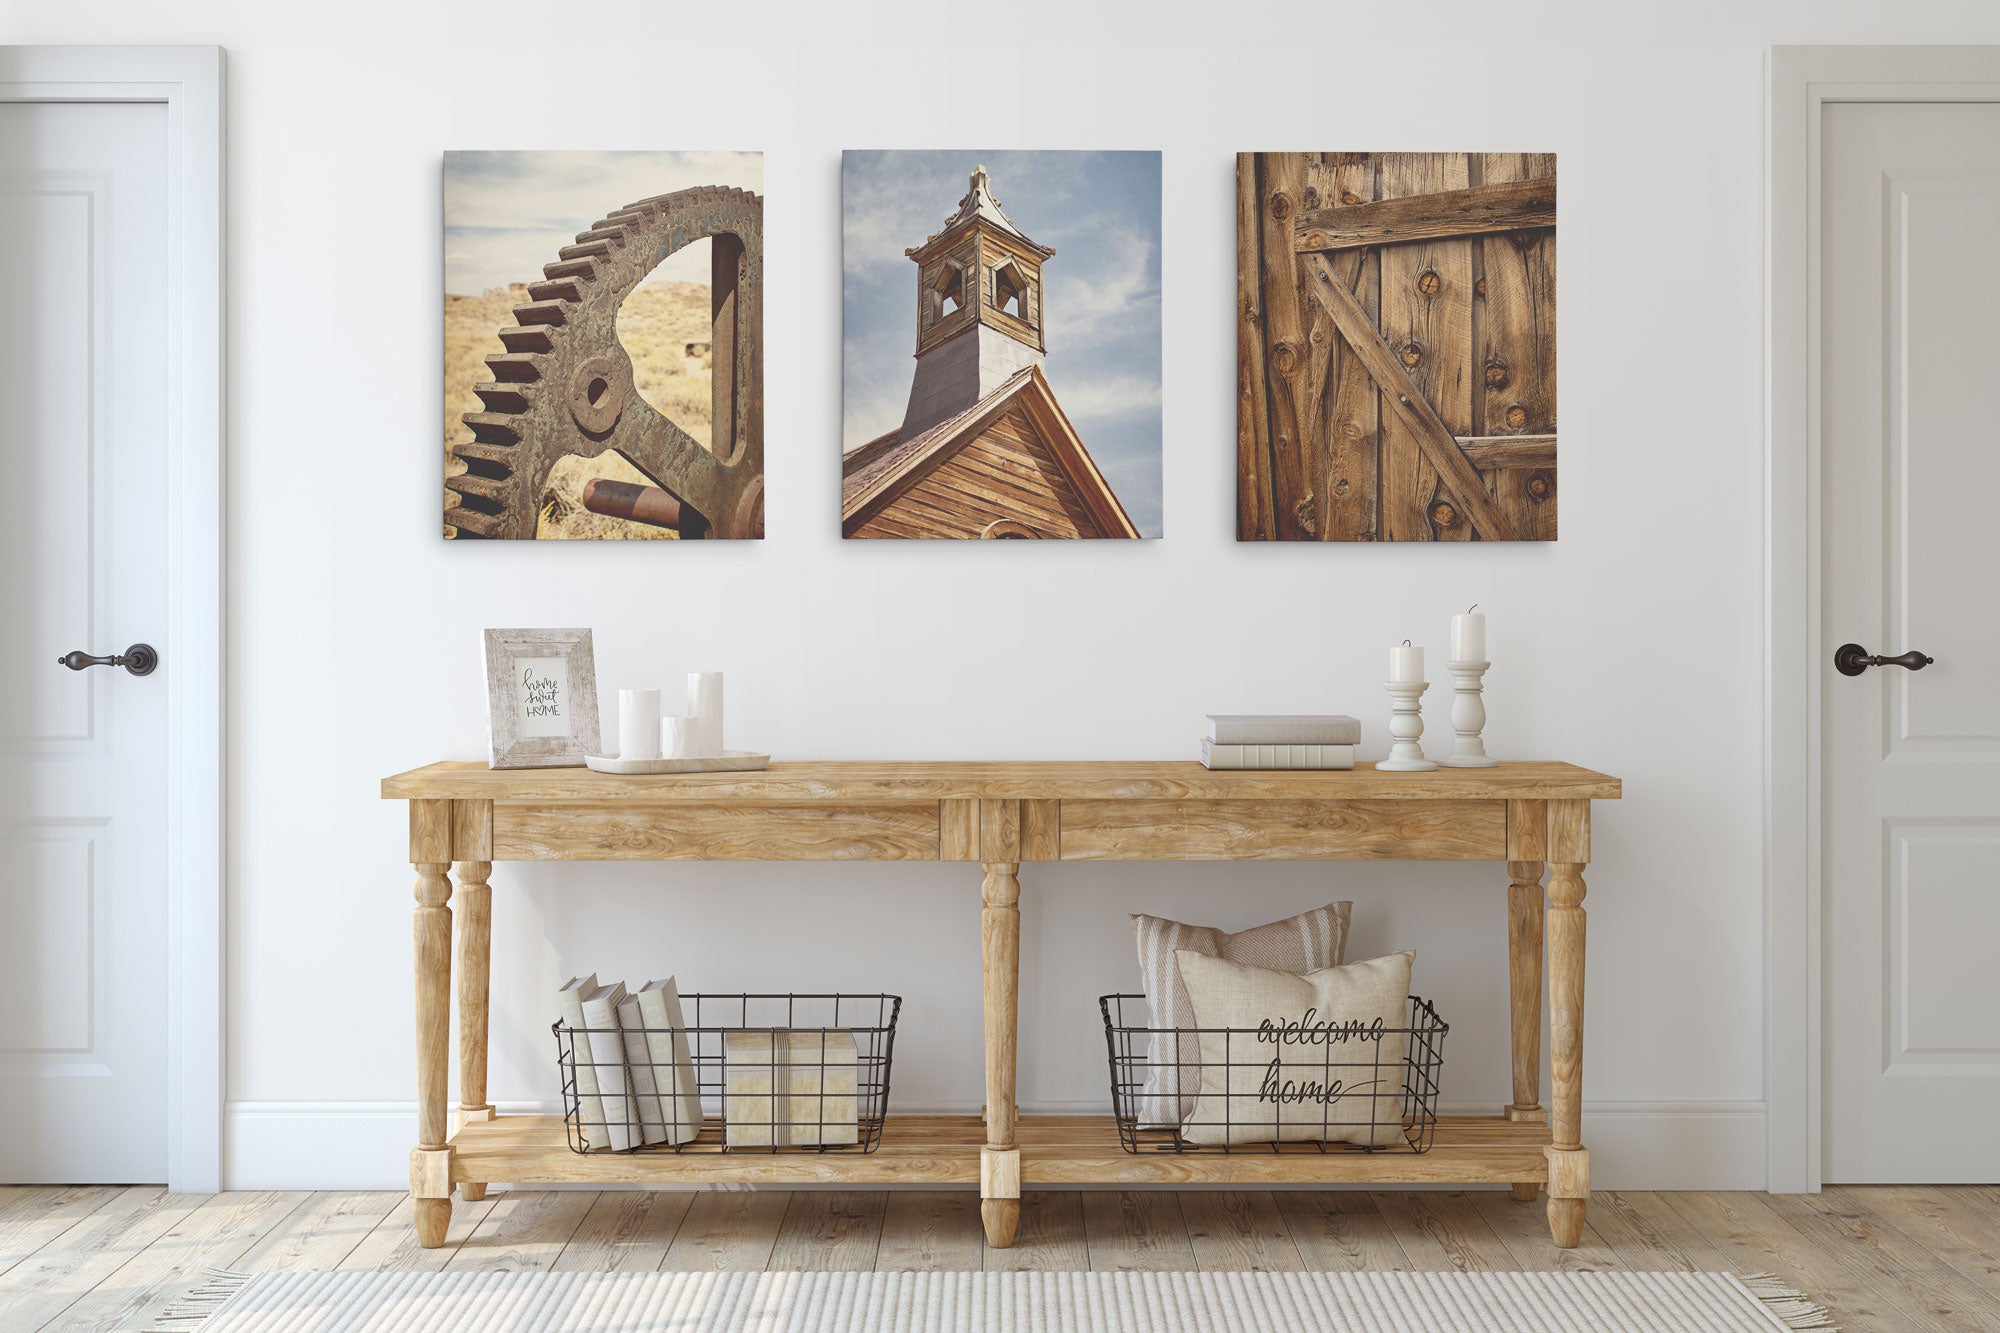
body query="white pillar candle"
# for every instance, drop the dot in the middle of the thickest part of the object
(1468, 636)
(677, 736)
(1406, 664)
(638, 724)
(705, 704)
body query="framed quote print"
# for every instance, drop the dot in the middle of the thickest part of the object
(541, 697)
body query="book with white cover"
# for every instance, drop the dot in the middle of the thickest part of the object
(569, 1008)
(1283, 729)
(1277, 757)
(673, 1069)
(607, 1056)
(639, 1064)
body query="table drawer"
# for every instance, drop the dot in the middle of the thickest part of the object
(1284, 830)
(695, 832)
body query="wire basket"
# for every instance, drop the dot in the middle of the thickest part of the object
(1395, 1122)
(748, 1073)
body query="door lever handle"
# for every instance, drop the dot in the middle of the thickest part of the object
(1851, 659)
(139, 659)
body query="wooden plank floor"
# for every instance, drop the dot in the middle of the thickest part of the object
(1885, 1257)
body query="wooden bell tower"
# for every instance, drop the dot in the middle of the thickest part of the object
(979, 307)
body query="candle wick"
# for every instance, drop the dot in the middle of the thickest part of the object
(1406, 643)
(1470, 609)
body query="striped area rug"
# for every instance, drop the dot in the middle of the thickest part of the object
(995, 1303)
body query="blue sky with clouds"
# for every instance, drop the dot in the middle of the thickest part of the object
(1101, 212)
(507, 213)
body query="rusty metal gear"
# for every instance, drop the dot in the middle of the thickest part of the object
(563, 385)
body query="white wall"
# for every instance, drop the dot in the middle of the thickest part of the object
(1631, 646)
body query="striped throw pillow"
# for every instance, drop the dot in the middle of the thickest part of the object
(1298, 944)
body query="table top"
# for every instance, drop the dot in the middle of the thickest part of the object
(1073, 780)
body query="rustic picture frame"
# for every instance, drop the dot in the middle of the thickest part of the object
(541, 698)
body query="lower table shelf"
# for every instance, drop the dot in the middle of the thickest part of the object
(1055, 1150)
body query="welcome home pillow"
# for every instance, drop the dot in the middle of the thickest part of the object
(1302, 943)
(1314, 1057)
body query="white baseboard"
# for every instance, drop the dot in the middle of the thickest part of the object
(366, 1145)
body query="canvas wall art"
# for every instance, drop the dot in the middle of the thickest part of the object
(1396, 346)
(1001, 345)
(604, 345)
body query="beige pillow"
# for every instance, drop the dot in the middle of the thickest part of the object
(1302, 943)
(1314, 1057)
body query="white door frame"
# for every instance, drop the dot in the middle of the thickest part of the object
(188, 81)
(1802, 80)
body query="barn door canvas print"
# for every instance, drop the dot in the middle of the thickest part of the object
(604, 345)
(1396, 346)
(1001, 345)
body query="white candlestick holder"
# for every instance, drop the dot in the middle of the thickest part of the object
(1468, 716)
(1406, 725)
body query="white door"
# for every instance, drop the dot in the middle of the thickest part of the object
(1909, 401)
(83, 793)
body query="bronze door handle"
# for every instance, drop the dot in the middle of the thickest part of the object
(1851, 659)
(139, 659)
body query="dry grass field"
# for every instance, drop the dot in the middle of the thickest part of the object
(655, 325)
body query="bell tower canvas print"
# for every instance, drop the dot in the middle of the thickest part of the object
(1396, 346)
(1023, 399)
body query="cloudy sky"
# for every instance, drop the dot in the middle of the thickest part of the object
(506, 214)
(1101, 212)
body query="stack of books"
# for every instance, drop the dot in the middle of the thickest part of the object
(1280, 741)
(635, 1079)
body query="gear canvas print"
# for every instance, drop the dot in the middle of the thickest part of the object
(604, 358)
(1020, 398)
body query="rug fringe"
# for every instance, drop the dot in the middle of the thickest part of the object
(1787, 1302)
(197, 1303)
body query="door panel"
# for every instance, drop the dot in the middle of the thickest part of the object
(83, 792)
(1911, 975)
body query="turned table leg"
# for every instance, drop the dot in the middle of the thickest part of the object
(1000, 948)
(430, 1160)
(1569, 1160)
(475, 956)
(1524, 986)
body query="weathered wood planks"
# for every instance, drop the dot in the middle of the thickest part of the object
(1396, 346)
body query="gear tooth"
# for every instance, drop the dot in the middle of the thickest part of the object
(471, 523)
(528, 338)
(501, 455)
(494, 427)
(580, 253)
(609, 235)
(540, 312)
(584, 270)
(502, 397)
(473, 486)
(561, 289)
(515, 367)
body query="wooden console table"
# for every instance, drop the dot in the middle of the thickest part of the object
(1531, 815)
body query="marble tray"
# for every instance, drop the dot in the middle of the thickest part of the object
(729, 761)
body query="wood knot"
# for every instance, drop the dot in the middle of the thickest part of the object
(1340, 488)
(1479, 288)
(1303, 511)
(1350, 197)
(1540, 485)
(1496, 374)
(1517, 417)
(1410, 353)
(1444, 515)
(1315, 240)
(1312, 196)
(1429, 283)
(1285, 358)
(1281, 206)
(1350, 429)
